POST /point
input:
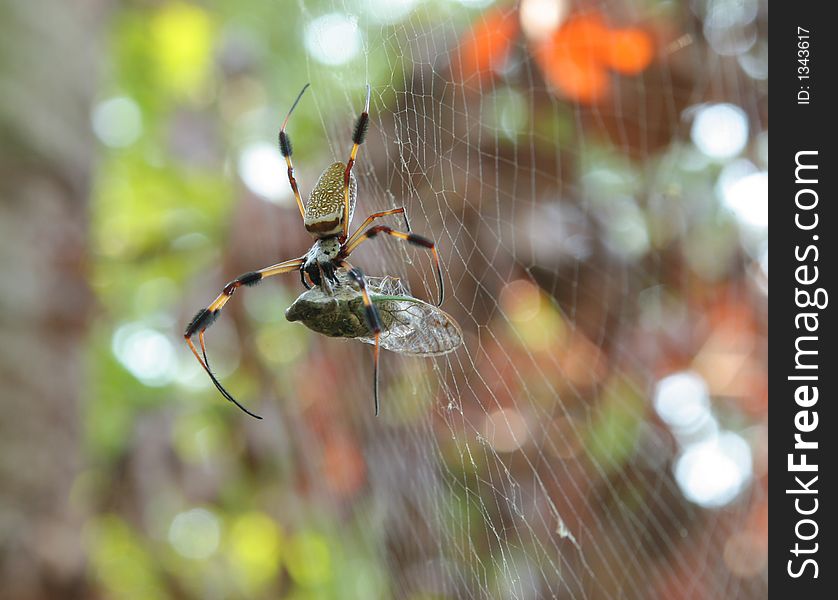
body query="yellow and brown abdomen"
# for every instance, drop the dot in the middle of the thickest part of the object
(324, 209)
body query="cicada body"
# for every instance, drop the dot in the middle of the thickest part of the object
(408, 325)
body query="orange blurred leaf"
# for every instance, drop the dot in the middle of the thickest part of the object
(576, 58)
(571, 58)
(585, 37)
(581, 79)
(630, 51)
(486, 46)
(343, 466)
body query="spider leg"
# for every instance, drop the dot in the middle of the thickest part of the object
(286, 150)
(410, 238)
(378, 215)
(306, 284)
(373, 322)
(207, 316)
(328, 278)
(215, 381)
(358, 135)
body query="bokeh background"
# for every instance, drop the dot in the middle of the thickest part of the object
(595, 175)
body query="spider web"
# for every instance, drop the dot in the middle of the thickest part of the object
(582, 261)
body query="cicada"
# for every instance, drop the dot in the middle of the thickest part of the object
(408, 325)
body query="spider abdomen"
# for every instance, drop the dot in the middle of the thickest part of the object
(324, 209)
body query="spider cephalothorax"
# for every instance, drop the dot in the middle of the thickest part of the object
(327, 216)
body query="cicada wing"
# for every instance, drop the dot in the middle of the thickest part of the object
(414, 327)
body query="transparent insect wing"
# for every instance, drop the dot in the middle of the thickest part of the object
(414, 327)
(411, 326)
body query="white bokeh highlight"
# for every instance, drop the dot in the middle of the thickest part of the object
(195, 533)
(713, 473)
(146, 353)
(720, 130)
(333, 39)
(540, 18)
(682, 401)
(475, 3)
(388, 11)
(263, 170)
(117, 122)
(747, 198)
(714, 464)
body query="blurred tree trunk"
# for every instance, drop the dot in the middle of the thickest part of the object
(47, 66)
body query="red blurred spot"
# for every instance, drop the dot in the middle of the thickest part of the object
(576, 58)
(585, 37)
(571, 58)
(758, 520)
(486, 46)
(578, 78)
(630, 51)
(344, 468)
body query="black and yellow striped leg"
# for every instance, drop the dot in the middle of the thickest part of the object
(373, 322)
(358, 135)
(207, 316)
(286, 149)
(378, 215)
(410, 238)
